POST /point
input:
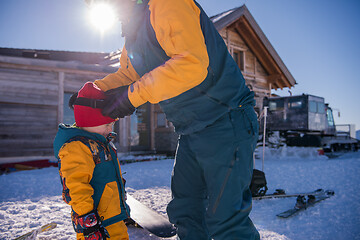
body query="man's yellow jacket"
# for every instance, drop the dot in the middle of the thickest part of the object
(173, 55)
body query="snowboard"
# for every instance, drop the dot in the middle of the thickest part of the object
(302, 203)
(32, 234)
(149, 219)
(281, 194)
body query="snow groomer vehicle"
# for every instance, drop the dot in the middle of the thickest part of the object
(307, 121)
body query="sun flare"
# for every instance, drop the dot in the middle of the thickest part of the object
(102, 16)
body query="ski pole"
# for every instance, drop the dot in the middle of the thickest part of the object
(264, 134)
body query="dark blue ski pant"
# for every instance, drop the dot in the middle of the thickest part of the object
(211, 178)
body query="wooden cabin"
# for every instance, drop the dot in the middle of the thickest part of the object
(260, 64)
(36, 86)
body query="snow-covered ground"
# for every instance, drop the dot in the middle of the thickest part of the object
(29, 199)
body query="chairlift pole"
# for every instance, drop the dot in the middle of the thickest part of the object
(264, 134)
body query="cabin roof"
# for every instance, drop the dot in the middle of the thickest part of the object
(245, 25)
(83, 57)
(78, 61)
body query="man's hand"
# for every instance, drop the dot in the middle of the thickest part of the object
(117, 103)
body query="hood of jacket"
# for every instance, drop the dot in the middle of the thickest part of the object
(66, 132)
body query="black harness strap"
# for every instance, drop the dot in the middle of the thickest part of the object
(88, 102)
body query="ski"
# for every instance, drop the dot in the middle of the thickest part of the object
(302, 203)
(149, 219)
(281, 194)
(32, 234)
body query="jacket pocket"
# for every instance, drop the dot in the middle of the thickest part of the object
(109, 205)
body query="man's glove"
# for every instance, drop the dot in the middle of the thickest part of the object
(117, 103)
(90, 225)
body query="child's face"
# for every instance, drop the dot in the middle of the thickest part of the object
(102, 129)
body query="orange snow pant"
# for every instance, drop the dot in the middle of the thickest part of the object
(117, 231)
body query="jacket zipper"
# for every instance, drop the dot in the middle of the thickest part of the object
(121, 184)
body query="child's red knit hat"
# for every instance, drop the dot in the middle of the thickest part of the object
(87, 116)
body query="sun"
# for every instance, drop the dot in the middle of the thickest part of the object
(102, 16)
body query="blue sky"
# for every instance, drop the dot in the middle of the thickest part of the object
(316, 39)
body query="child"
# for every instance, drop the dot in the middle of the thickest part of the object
(90, 171)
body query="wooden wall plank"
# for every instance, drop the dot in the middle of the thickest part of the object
(24, 128)
(73, 82)
(60, 94)
(31, 104)
(33, 75)
(28, 87)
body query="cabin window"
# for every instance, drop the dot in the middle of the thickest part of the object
(68, 113)
(239, 57)
(275, 105)
(160, 120)
(136, 126)
(320, 107)
(295, 103)
(330, 118)
(312, 106)
(316, 107)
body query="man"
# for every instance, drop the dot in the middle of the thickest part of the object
(174, 56)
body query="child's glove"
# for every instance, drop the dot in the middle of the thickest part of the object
(117, 103)
(90, 225)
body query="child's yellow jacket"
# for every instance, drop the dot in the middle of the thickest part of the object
(90, 174)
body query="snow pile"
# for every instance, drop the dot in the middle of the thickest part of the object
(289, 153)
(30, 199)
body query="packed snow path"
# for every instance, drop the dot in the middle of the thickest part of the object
(29, 199)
